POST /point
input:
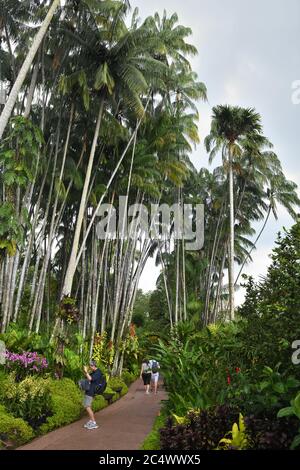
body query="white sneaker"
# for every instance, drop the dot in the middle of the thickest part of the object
(86, 425)
(93, 425)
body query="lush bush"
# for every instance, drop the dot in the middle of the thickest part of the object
(128, 377)
(99, 403)
(18, 339)
(245, 364)
(195, 365)
(200, 430)
(15, 430)
(28, 399)
(66, 403)
(272, 307)
(112, 392)
(265, 431)
(115, 383)
(73, 365)
(270, 392)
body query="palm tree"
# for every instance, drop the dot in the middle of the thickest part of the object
(230, 128)
(122, 74)
(12, 98)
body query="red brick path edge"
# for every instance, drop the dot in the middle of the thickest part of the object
(122, 425)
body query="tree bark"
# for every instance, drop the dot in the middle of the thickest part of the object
(68, 282)
(8, 108)
(231, 241)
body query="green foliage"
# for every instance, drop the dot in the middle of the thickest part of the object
(293, 410)
(28, 399)
(18, 339)
(19, 164)
(103, 350)
(116, 383)
(68, 311)
(152, 441)
(13, 429)
(72, 365)
(66, 403)
(266, 432)
(270, 390)
(238, 439)
(128, 377)
(110, 391)
(272, 307)
(99, 403)
(11, 232)
(201, 430)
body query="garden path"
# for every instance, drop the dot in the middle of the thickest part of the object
(122, 425)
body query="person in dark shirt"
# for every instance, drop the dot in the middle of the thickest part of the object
(94, 378)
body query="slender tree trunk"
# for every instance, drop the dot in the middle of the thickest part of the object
(31, 89)
(110, 181)
(8, 108)
(67, 287)
(184, 280)
(231, 240)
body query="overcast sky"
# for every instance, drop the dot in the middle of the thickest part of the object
(249, 55)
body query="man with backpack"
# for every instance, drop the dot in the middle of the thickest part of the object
(154, 373)
(94, 384)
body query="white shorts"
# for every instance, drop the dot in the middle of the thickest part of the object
(155, 377)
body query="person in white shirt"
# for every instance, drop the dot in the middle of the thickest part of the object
(155, 366)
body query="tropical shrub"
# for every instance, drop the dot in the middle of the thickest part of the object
(292, 410)
(266, 432)
(116, 383)
(103, 350)
(99, 403)
(202, 430)
(17, 339)
(28, 399)
(272, 308)
(66, 404)
(72, 365)
(110, 391)
(68, 311)
(271, 390)
(25, 363)
(14, 429)
(237, 437)
(128, 377)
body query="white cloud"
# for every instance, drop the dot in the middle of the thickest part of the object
(244, 59)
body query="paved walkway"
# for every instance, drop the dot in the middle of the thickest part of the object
(122, 425)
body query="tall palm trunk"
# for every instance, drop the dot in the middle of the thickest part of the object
(68, 282)
(8, 108)
(231, 241)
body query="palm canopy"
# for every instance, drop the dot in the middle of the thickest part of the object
(233, 127)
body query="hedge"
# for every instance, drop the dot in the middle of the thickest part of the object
(14, 429)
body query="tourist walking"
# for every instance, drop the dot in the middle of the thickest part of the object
(155, 366)
(145, 374)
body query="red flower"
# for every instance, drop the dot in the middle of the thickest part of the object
(228, 379)
(237, 369)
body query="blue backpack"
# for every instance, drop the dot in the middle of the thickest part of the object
(155, 367)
